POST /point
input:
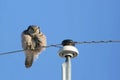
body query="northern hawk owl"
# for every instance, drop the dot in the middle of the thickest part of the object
(33, 42)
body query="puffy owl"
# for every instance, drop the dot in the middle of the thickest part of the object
(33, 41)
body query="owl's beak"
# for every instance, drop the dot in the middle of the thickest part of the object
(34, 29)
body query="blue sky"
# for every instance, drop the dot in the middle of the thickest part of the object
(79, 20)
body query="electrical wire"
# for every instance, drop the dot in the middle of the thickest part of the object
(91, 42)
(11, 52)
(54, 45)
(60, 45)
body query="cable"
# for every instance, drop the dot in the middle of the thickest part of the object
(90, 42)
(54, 45)
(60, 45)
(11, 52)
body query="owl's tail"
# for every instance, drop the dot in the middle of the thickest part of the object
(29, 60)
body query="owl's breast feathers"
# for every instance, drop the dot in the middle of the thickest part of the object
(38, 40)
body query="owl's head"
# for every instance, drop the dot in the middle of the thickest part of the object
(33, 29)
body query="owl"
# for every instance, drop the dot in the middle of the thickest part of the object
(33, 43)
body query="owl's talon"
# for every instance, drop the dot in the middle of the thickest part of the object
(37, 45)
(30, 48)
(27, 48)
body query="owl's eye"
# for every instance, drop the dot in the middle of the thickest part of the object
(32, 29)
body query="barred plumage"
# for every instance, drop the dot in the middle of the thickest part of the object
(33, 41)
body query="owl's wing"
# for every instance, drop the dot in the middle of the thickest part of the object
(26, 44)
(26, 40)
(41, 39)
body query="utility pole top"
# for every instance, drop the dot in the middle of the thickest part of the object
(68, 49)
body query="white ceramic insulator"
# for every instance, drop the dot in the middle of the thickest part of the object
(68, 50)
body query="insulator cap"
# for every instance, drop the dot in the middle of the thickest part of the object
(68, 49)
(68, 42)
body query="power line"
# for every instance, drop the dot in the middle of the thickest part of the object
(11, 52)
(91, 42)
(54, 45)
(60, 45)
